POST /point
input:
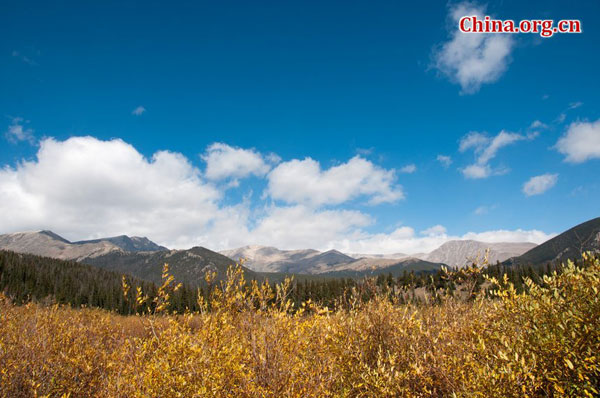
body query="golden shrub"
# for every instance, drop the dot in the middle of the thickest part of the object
(252, 342)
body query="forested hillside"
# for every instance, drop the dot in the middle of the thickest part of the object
(25, 277)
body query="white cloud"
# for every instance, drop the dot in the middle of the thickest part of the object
(503, 235)
(473, 140)
(472, 59)
(405, 240)
(539, 184)
(17, 132)
(408, 169)
(303, 182)
(88, 188)
(538, 125)
(436, 230)
(501, 140)
(224, 161)
(293, 227)
(446, 161)
(84, 187)
(138, 111)
(476, 171)
(563, 115)
(485, 149)
(401, 240)
(581, 142)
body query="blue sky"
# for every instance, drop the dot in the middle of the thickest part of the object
(307, 113)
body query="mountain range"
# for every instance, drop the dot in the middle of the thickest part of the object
(144, 259)
(455, 253)
(271, 259)
(135, 256)
(49, 244)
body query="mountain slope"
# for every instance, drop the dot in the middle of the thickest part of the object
(394, 256)
(270, 259)
(569, 244)
(360, 268)
(259, 258)
(458, 253)
(187, 266)
(130, 244)
(49, 244)
(366, 264)
(315, 264)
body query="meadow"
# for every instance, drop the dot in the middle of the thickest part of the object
(250, 340)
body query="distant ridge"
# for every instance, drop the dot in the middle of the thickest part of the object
(361, 268)
(458, 253)
(136, 256)
(130, 244)
(393, 256)
(271, 259)
(144, 259)
(188, 266)
(49, 244)
(568, 245)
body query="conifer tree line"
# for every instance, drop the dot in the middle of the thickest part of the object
(25, 278)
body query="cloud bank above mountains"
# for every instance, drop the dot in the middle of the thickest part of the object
(87, 188)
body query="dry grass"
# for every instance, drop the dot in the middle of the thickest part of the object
(251, 344)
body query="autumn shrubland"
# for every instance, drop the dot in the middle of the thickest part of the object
(249, 340)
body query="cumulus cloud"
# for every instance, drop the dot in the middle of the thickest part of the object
(299, 226)
(581, 142)
(476, 171)
(138, 111)
(85, 188)
(503, 235)
(224, 161)
(539, 184)
(18, 132)
(436, 230)
(472, 59)
(304, 182)
(444, 160)
(409, 168)
(485, 149)
(473, 140)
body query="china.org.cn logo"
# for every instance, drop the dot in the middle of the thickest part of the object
(544, 27)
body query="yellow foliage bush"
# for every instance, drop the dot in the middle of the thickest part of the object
(251, 342)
